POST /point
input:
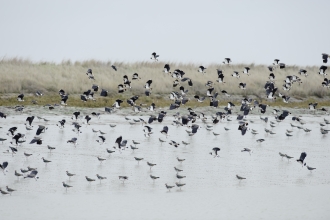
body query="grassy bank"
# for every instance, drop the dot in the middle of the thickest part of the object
(22, 76)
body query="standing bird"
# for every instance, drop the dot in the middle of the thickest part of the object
(180, 185)
(66, 186)
(70, 174)
(46, 161)
(310, 168)
(154, 177)
(100, 177)
(169, 187)
(303, 155)
(240, 178)
(151, 164)
(89, 179)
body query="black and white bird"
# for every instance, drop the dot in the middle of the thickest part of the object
(38, 93)
(89, 179)
(10, 190)
(246, 70)
(167, 68)
(61, 123)
(132, 100)
(284, 98)
(17, 137)
(13, 150)
(282, 65)
(135, 76)
(310, 168)
(64, 99)
(322, 70)
(73, 141)
(271, 77)
(276, 62)
(148, 84)
(46, 161)
(169, 187)
(32, 174)
(154, 56)
(123, 178)
(247, 150)
(235, 75)
(303, 155)
(3, 115)
(326, 83)
(121, 88)
(100, 177)
(224, 92)
(164, 131)
(312, 106)
(199, 99)
(20, 98)
(242, 85)
(90, 75)
(240, 177)
(127, 83)
(151, 164)
(190, 83)
(12, 131)
(325, 57)
(66, 186)
(303, 72)
(117, 103)
(215, 150)
(154, 177)
(284, 114)
(243, 128)
(41, 129)
(175, 144)
(101, 139)
(262, 108)
(3, 166)
(227, 61)
(183, 92)
(180, 185)
(220, 76)
(104, 93)
(114, 67)
(201, 69)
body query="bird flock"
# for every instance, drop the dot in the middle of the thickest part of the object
(191, 119)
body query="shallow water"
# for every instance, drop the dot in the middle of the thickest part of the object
(274, 188)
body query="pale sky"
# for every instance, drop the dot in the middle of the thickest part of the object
(296, 32)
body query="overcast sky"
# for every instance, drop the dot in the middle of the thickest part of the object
(296, 32)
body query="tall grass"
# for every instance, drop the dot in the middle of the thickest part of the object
(23, 76)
